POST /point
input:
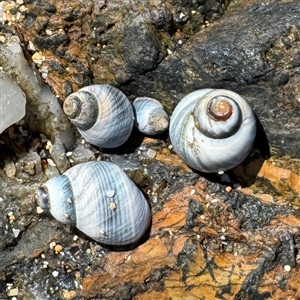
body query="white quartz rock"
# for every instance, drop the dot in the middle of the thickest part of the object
(12, 102)
(43, 111)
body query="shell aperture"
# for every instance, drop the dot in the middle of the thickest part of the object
(213, 130)
(102, 114)
(108, 206)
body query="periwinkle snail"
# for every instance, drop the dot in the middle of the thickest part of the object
(102, 114)
(213, 130)
(100, 200)
(150, 116)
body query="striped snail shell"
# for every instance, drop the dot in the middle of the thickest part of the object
(213, 130)
(150, 116)
(100, 200)
(102, 114)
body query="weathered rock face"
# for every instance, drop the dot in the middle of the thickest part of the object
(208, 238)
(109, 41)
(164, 50)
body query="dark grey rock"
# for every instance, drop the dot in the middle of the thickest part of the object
(164, 51)
(254, 52)
(168, 49)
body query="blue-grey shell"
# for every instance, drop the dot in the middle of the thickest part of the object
(150, 116)
(107, 116)
(208, 145)
(100, 200)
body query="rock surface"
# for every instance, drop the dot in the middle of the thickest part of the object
(212, 236)
(180, 48)
(11, 98)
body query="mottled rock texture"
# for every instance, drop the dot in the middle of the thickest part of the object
(209, 239)
(167, 49)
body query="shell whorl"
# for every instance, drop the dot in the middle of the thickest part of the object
(102, 114)
(108, 207)
(82, 109)
(217, 115)
(62, 209)
(219, 109)
(212, 130)
(150, 116)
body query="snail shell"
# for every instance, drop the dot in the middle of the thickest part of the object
(100, 200)
(102, 114)
(150, 117)
(212, 130)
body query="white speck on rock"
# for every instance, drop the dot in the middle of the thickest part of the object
(16, 232)
(287, 268)
(55, 273)
(52, 245)
(13, 292)
(31, 46)
(51, 162)
(49, 32)
(151, 153)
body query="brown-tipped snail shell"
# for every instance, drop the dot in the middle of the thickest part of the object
(213, 130)
(102, 114)
(150, 116)
(100, 200)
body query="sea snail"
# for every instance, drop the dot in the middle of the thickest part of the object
(100, 200)
(212, 130)
(102, 114)
(150, 117)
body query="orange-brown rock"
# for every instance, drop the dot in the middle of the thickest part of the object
(212, 258)
(235, 236)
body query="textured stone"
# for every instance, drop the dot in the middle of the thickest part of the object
(213, 236)
(11, 99)
(181, 46)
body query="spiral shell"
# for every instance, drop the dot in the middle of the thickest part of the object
(150, 117)
(100, 200)
(102, 114)
(212, 130)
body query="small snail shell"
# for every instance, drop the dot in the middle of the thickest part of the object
(150, 117)
(212, 130)
(100, 200)
(102, 114)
